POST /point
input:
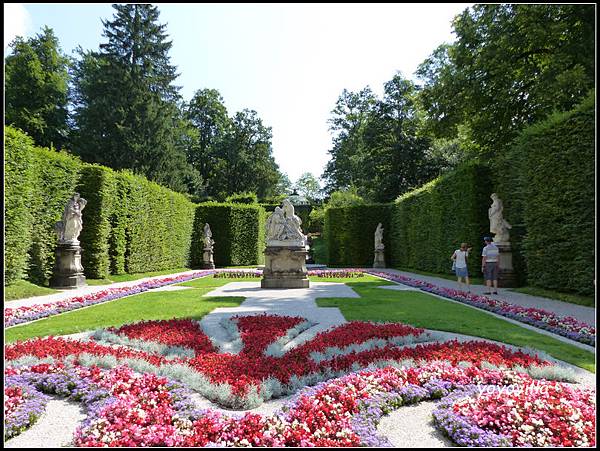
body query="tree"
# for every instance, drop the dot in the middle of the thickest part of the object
(36, 88)
(127, 111)
(308, 186)
(511, 65)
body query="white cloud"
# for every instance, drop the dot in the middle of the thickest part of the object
(17, 22)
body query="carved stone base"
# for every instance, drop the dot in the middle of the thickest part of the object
(68, 272)
(207, 260)
(379, 261)
(285, 267)
(506, 274)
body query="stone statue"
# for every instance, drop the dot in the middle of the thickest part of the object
(379, 238)
(292, 223)
(498, 225)
(207, 237)
(275, 225)
(69, 228)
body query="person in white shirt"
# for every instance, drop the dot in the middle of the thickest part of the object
(490, 265)
(460, 265)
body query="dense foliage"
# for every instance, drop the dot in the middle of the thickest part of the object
(36, 88)
(430, 223)
(510, 66)
(237, 229)
(377, 147)
(350, 233)
(551, 198)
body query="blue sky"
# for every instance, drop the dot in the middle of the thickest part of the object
(289, 62)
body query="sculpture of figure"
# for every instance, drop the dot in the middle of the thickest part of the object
(69, 228)
(292, 223)
(379, 237)
(498, 225)
(275, 225)
(207, 238)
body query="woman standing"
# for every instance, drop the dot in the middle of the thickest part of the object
(460, 265)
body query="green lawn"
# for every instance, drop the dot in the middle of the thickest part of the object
(23, 289)
(565, 297)
(146, 306)
(423, 310)
(130, 277)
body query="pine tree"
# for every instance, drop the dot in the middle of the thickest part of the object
(127, 111)
(37, 88)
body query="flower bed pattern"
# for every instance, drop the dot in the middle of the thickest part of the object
(129, 409)
(24, 314)
(246, 379)
(566, 326)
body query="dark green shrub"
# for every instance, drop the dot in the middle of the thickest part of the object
(97, 186)
(238, 231)
(350, 233)
(19, 178)
(242, 198)
(558, 206)
(429, 223)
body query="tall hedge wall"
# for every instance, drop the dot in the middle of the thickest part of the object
(429, 223)
(238, 231)
(350, 234)
(556, 178)
(19, 182)
(129, 223)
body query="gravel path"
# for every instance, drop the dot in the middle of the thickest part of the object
(581, 312)
(412, 427)
(55, 427)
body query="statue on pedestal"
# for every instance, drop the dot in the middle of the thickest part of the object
(379, 261)
(498, 225)
(207, 248)
(68, 271)
(285, 254)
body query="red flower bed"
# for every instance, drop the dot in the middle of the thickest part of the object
(175, 332)
(259, 331)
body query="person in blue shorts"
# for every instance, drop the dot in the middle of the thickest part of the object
(490, 265)
(460, 265)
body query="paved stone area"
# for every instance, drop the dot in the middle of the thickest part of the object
(290, 302)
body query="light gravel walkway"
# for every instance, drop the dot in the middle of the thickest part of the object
(412, 427)
(66, 294)
(291, 302)
(581, 312)
(55, 427)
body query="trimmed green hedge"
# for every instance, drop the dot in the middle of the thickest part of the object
(129, 224)
(557, 174)
(56, 179)
(19, 178)
(429, 223)
(238, 231)
(350, 234)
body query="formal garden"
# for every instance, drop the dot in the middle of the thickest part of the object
(187, 304)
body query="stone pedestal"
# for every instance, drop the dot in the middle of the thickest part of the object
(207, 259)
(506, 274)
(379, 261)
(285, 267)
(68, 272)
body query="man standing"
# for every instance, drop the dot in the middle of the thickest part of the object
(490, 264)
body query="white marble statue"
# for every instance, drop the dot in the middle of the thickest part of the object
(69, 228)
(379, 238)
(207, 238)
(498, 225)
(283, 226)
